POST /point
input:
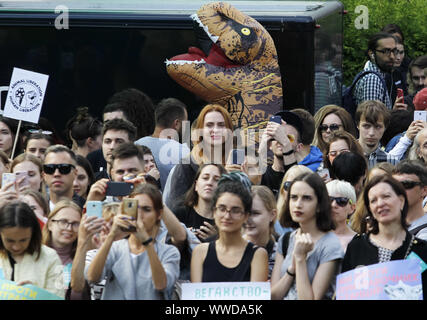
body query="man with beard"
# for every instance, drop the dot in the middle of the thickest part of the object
(372, 118)
(164, 143)
(381, 53)
(416, 79)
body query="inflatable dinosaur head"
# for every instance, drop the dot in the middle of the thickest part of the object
(236, 65)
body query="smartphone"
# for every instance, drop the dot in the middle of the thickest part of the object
(130, 208)
(400, 94)
(19, 175)
(109, 210)
(7, 178)
(238, 156)
(94, 208)
(420, 115)
(324, 172)
(277, 119)
(118, 188)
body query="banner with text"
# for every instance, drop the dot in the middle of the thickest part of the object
(226, 291)
(25, 96)
(394, 280)
(10, 291)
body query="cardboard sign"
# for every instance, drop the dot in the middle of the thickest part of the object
(25, 96)
(226, 291)
(394, 280)
(10, 291)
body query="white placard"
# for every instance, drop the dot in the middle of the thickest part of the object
(226, 291)
(25, 96)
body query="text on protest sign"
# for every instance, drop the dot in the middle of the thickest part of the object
(226, 291)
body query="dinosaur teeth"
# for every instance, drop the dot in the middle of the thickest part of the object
(212, 37)
(182, 62)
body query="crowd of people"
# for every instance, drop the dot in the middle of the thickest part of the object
(318, 194)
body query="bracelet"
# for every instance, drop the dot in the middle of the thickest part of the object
(288, 153)
(146, 242)
(291, 274)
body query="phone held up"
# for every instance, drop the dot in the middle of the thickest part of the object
(130, 208)
(94, 208)
(119, 189)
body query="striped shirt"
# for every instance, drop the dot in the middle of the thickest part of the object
(380, 156)
(370, 87)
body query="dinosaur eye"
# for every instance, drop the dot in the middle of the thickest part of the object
(246, 31)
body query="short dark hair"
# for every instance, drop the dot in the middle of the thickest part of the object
(412, 167)
(168, 110)
(393, 28)
(236, 188)
(373, 40)
(19, 214)
(57, 148)
(138, 108)
(128, 150)
(308, 125)
(349, 166)
(324, 220)
(120, 125)
(372, 111)
(398, 189)
(419, 62)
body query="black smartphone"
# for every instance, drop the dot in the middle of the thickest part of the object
(277, 119)
(119, 188)
(238, 156)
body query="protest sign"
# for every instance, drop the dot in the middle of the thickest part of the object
(226, 291)
(10, 291)
(25, 95)
(394, 280)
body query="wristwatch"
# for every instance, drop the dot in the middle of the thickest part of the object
(147, 242)
(289, 152)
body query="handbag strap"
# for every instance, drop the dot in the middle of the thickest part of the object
(410, 246)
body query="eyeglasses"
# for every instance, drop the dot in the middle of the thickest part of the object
(341, 201)
(64, 168)
(63, 224)
(400, 52)
(332, 127)
(388, 51)
(337, 152)
(234, 212)
(40, 131)
(287, 185)
(408, 184)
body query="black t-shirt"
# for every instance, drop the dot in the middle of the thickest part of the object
(272, 179)
(96, 160)
(189, 217)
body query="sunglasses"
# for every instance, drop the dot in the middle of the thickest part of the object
(332, 127)
(341, 201)
(287, 185)
(64, 168)
(46, 132)
(408, 184)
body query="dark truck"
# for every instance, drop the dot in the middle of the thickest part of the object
(92, 49)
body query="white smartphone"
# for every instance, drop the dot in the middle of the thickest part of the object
(94, 208)
(7, 178)
(420, 115)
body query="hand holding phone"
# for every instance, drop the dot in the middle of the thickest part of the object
(237, 156)
(420, 115)
(22, 174)
(119, 188)
(7, 178)
(94, 208)
(130, 208)
(276, 119)
(400, 94)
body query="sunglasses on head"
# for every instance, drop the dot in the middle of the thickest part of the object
(341, 201)
(64, 168)
(287, 185)
(46, 132)
(408, 184)
(332, 127)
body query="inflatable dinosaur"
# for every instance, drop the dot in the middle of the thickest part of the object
(236, 65)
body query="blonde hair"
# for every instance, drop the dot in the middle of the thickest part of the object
(46, 234)
(267, 198)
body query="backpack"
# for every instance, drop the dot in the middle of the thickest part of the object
(349, 101)
(418, 229)
(285, 243)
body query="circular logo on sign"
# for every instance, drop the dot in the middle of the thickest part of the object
(25, 95)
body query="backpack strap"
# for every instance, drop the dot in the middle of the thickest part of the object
(364, 73)
(285, 243)
(418, 229)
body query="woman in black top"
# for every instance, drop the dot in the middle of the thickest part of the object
(387, 207)
(197, 212)
(230, 258)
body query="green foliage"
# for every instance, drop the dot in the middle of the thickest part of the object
(409, 15)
